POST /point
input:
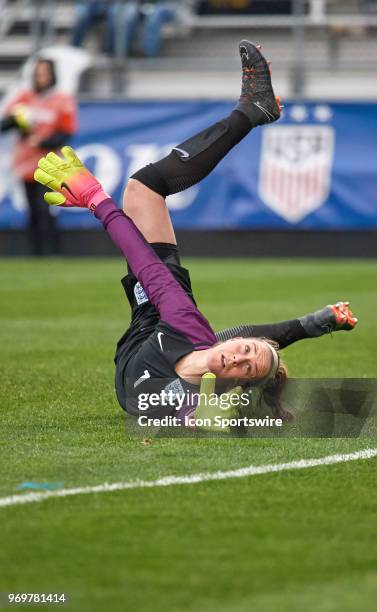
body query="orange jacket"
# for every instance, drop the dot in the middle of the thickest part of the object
(50, 112)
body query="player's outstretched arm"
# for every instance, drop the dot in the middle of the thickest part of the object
(74, 185)
(331, 318)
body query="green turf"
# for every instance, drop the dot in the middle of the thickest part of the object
(288, 541)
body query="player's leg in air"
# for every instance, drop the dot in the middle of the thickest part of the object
(145, 197)
(194, 159)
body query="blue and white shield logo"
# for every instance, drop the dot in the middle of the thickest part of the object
(295, 171)
(140, 295)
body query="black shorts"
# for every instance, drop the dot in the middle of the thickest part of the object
(144, 316)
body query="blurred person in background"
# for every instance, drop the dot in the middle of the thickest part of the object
(132, 27)
(149, 20)
(45, 119)
(89, 13)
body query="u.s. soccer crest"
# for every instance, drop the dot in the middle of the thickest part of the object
(295, 172)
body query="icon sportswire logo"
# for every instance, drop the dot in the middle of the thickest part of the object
(142, 378)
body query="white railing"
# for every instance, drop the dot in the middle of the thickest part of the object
(9, 13)
(280, 21)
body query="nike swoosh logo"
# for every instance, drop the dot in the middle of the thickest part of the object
(184, 154)
(143, 377)
(159, 335)
(264, 110)
(67, 188)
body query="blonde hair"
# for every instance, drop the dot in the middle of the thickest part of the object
(272, 391)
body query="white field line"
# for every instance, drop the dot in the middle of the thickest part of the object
(167, 481)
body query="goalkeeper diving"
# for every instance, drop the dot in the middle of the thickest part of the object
(170, 345)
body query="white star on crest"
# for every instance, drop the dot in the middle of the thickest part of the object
(323, 112)
(299, 113)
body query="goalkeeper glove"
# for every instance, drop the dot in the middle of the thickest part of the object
(211, 406)
(72, 183)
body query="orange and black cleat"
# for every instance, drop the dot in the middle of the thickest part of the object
(331, 318)
(344, 317)
(257, 100)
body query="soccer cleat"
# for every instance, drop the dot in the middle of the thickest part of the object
(331, 318)
(257, 100)
(343, 316)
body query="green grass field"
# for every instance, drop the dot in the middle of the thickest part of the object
(289, 541)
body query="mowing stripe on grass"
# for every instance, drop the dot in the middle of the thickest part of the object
(167, 481)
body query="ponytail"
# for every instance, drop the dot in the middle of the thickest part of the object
(272, 392)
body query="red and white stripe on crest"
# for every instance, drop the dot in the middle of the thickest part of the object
(295, 169)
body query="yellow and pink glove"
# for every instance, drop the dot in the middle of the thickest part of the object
(72, 183)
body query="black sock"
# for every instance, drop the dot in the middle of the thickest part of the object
(284, 333)
(194, 159)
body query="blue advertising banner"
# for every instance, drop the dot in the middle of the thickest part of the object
(314, 169)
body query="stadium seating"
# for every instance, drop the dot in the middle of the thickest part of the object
(199, 55)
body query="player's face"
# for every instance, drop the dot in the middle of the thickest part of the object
(244, 358)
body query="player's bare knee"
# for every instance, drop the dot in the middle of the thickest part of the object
(134, 195)
(138, 196)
